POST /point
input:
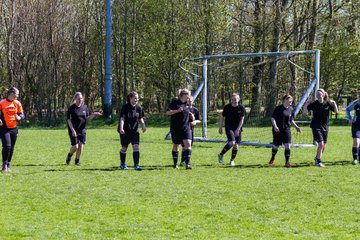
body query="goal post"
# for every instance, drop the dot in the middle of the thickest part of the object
(203, 86)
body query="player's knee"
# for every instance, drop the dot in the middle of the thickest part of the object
(176, 147)
(7, 147)
(136, 147)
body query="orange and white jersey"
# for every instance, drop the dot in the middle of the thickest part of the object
(9, 110)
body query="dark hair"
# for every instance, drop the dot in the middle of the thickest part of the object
(131, 95)
(12, 90)
(286, 97)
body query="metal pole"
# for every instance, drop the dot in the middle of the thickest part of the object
(317, 70)
(204, 106)
(108, 62)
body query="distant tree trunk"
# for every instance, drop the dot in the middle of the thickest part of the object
(133, 48)
(271, 100)
(258, 68)
(124, 53)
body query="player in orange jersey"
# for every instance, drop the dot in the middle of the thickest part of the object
(11, 112)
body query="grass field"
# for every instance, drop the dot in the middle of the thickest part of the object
(42, 198)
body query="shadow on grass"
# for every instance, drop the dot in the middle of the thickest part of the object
(295, 165)
(163, 167)
(40, 165)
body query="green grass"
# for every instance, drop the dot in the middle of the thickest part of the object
(44, 199)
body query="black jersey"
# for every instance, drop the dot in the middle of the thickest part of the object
(320, 113)
(233, 116)
(356, 121)
(131, 114)
(283, 117)
(179, 121)
(78, 116)
(196, 113)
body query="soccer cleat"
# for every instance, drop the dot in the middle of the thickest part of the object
(182, 163)
(272, 162)
(4, 168)
(287, 165)
(319, 164)
(68, 159)
(123, 166)
(77, 163)
(232, 163)
(355, 162)
(188, 167)
(137, 168)
(175, 166)
(220, 158)
(8, 167)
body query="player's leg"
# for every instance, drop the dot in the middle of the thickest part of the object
(176, 138)
(136, 150)
(286, 139)
(319, 138)
(287, 154)
(6, 146)
(81, 142)
(275, 147)
(13, 138)
(230, 142)
(355, 147)
(74, 146)
(124, 141)
(187, 152)
(79, 152)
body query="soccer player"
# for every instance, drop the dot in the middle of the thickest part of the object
(355, 127)
(193, 123)
(77, 117)
(281, 120)
(130, 115)
(319, 124)
(181, 116)
(11, 112)
(234, 114)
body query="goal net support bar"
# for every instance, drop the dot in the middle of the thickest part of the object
(203, 84)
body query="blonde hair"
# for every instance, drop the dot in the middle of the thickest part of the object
(183, 92)
(76, 95)
(326, 95)
(235, 95)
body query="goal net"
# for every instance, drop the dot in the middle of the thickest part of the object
(261, 79)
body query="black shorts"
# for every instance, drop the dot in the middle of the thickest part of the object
(355, 131)
(129, 137)
(177, 137)
(8, 136)
(282, 137)
(81, 137)
(230, 134)
(320, 135)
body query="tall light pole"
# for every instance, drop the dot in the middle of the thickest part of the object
(108, 62)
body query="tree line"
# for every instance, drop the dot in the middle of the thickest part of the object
(51, 49)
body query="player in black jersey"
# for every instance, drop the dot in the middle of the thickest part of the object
(355, 127)
(77, 117)
(319, 124)
(193, 123)
(281, 120)
(130, 115)
(234, 114)
(181, 116)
